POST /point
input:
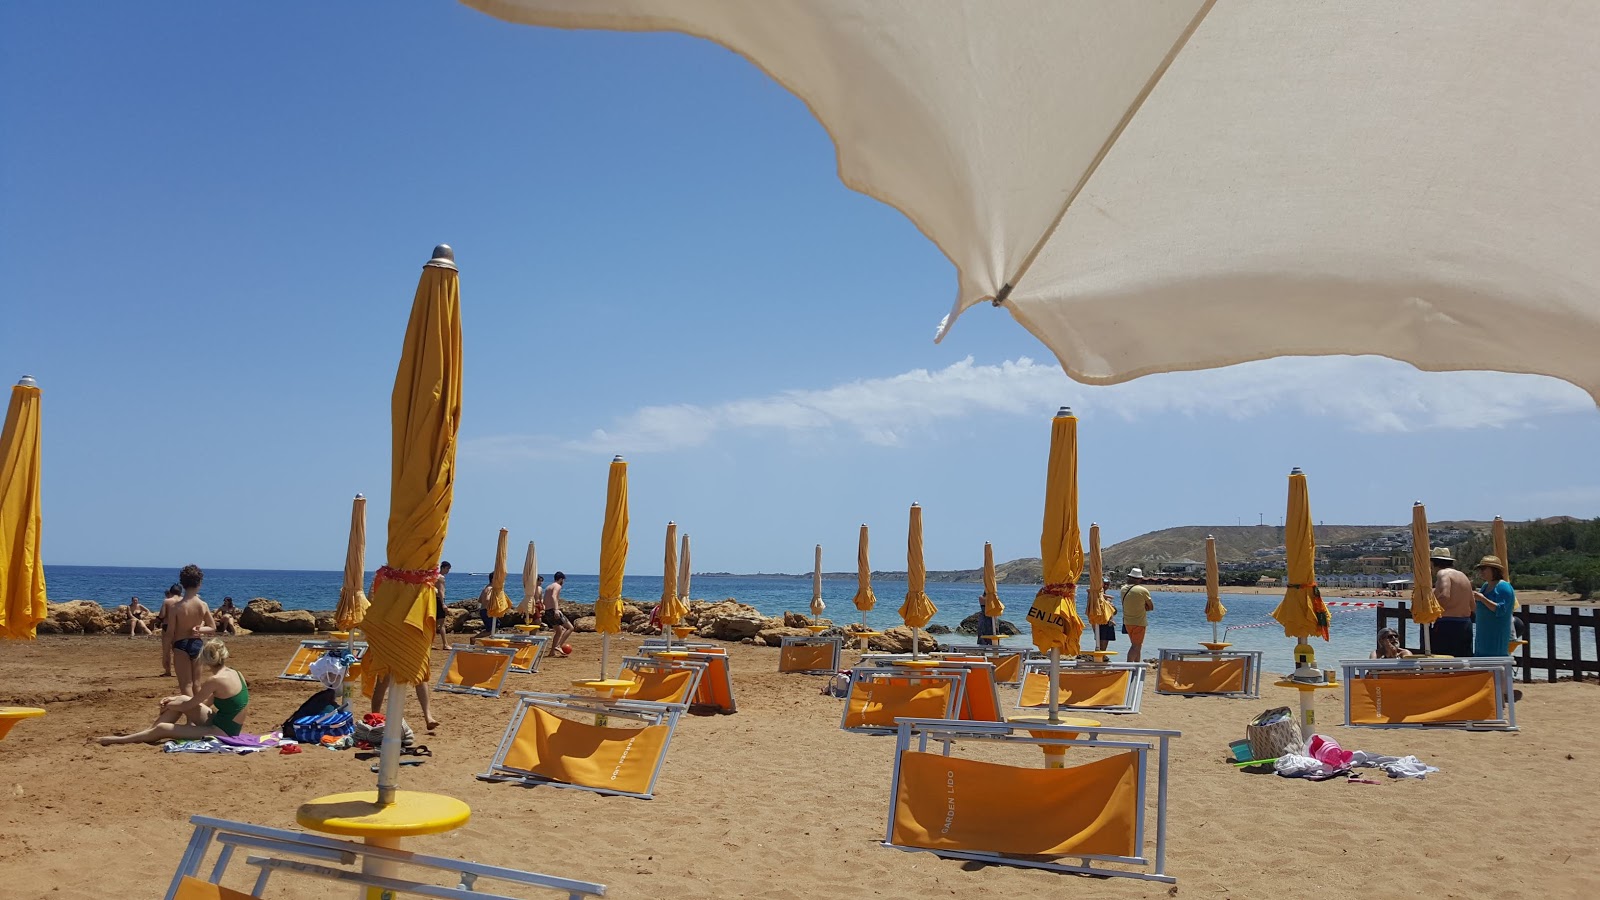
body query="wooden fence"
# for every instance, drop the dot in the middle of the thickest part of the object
(1582, 625)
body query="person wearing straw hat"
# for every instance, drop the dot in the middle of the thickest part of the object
(1136, 607)
(1451, 635)
(1492, 626)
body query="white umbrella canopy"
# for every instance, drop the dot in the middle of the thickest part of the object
(1261, 178)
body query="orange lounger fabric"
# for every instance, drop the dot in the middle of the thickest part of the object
(1079, 687)
(951, 803)
(878, 701)
(572, 752)
(805, 658)
(526, 650)
(715, 685)
(303, 658)
(1202, 676)
(659, 685)
(477, 670)
(1007, 667)
(191, 888)
(1439, 698)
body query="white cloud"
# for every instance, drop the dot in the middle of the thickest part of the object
(1364, 393)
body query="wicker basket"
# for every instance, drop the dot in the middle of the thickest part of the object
(1273, 740)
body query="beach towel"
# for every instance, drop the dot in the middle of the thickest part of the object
(241, 745)
(1393, 766)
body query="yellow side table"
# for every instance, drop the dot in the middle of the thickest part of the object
(864, 636)
(527, 629)
(339, 635)
(605, 689)
(682, 632)
(493, 642)
(1055, 756)
(817, 629)
(1099, 656)
(1215, 646)
(11, 715)
(1308, 713)
(357, 814)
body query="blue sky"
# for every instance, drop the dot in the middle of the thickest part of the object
(214, 218)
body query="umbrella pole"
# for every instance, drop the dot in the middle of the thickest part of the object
(605, 654)
(393, 736)
(1055, 685)
(1427, 640)
(1216, 632)
(913, 643)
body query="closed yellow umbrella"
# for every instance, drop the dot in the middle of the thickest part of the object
(1053, 618)
(817, 606)
(530, 583)
(673, 608)
(992, 607)
(864, 599)
(1099, 606)
(1215, 611)
(425, 409)
(352, 599)
(23, 604)
(1498, 531)
(683, 572)
(1425, 608)
(499, 604)
(1301, 612)
(917, 610)
(613, 560)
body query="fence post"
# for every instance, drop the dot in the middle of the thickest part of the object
(1550, 643)
(1577, 643)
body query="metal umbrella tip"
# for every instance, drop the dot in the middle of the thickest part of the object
(443, 257)
(360, 497)
(27, 381)
(617, 458)
(1064, 411)
(1296, 471)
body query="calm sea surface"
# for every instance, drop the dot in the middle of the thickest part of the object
(1178, 620)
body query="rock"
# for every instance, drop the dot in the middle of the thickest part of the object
(584, 624)
(326, 621)
(938, 629)
(256, 611)
(289, 621)
(795, 620)
(76, 617)
(733, 621)
(456, 619)
(969, 625)
(632, 614)
(773, 637)
(898, 640)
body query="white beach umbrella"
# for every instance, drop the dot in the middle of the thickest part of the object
(1259, 178)
(817, 606)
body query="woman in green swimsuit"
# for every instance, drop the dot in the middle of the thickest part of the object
(216, 709)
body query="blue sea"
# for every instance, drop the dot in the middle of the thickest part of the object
(1178, 619)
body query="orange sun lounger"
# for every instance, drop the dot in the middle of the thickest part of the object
(878, 696)
(1103, 687)
(715, 690)
(1475, 692)
(309, 651)
(980, 697)
(530, 651)
(810, 655)
(661, 680)
(480, 671)
(572, 741)
(1223, 673)
(963, 807)
(1007, 661)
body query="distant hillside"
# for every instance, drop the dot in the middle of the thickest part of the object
(1239, 543)
(1017, 571)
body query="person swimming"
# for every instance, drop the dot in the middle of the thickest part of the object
(216, 709)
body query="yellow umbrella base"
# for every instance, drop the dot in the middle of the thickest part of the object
(357, 814)
(11, 715)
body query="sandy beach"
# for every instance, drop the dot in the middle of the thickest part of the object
(776, 802)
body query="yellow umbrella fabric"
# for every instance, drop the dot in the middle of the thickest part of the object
(673, 608)
(426, 412)
(683, 571)
(1099, 605)
(530, 580)
(1425, 608)
(992, 607)
(864, 598)
(499, 603)
(817, 606)
(918, 610)
(1503, 551)
(1301, 612)
(23, 604)
(353, 601)
(1215, 611)
(1053, 618)
(613, 550)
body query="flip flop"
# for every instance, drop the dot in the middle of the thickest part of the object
(403, 762)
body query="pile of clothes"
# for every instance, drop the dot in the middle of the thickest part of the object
(1325, 759)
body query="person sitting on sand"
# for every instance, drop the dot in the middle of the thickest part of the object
(216, 709)
(136, 615)
(553, 618)
(164, 625)
(227, 617)
(188, 623)
(1389, 645)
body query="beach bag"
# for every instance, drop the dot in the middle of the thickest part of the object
(312, 729)
(1273, 734)
(369, 730)
(317, 704)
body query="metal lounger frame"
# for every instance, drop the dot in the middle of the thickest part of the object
(1252, 671)
(316, 851)
(860, 674)
(1141, 740)
(541, 643)
(659, 643)
(1131, 700)
(327, 645)
(1505, 680)
(697, 668)
(811, 641)
(648, 712)
(999, 650)
(442, 685)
